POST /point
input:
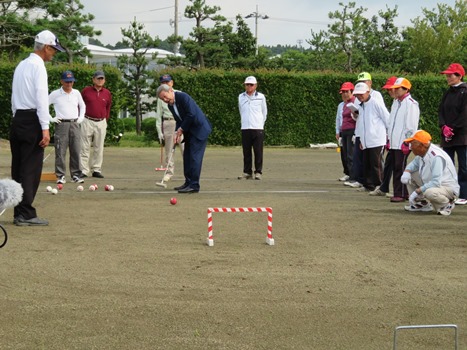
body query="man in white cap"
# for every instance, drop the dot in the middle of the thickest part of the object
(253, 112)
(29, 133)
(372, 123)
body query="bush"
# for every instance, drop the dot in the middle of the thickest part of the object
(148, 127)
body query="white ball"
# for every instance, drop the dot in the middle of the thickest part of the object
(111, 187)
(54, 191)
(92, 188)
(49, 188)
(79, 188)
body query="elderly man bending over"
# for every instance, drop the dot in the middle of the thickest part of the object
(431, 177)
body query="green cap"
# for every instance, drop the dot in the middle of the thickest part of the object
(364, 76)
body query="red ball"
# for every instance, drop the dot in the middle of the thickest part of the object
(59, 187)
(173, 201)
(107, 187)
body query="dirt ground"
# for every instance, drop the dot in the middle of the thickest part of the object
(127, 270)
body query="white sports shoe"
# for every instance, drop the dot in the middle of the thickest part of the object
(446, 210)
(344, 178)
(61, 180)
(419, 207)
(353, 184)
(377, 192)
(461, 201)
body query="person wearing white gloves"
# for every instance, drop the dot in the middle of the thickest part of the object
(165, 125)
(69, 113)
(431, 178)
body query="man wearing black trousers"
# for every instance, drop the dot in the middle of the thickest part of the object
(29, 133)
(195, 127)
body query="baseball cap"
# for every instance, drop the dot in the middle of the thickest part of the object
(165, 78)
(46, 37)
(250, 80)
(346, 87)
(364, 76)
(68, 76)
(402, 82)
(420, 136)
(99, 74)
(390, 82)
(361, 88)
(454, 68)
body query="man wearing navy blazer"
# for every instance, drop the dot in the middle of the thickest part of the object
(195, 127)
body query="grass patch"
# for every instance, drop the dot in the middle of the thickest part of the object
(131, 139)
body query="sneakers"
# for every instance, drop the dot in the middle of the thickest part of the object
(258, 176)
(353, 184)
(344, 178)
(397, 199)
(363, 189)
(419, 207)
(245, 176)
(377, 192)
(61, 180)
(20, 221)
(77, 179)
(461, 201)
(446, 210)
(97, 174)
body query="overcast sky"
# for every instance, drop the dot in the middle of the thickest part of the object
(289, 22)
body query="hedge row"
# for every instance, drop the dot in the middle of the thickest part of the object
(301, 106)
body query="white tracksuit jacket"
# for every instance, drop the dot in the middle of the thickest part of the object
(403, 121)
(372, 122)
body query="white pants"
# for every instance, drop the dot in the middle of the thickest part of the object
(437, 196)
(168, 129)
(92, 134)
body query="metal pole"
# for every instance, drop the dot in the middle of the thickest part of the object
(176, 27)
(256, 29)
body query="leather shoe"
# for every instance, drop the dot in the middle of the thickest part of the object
(188, 189)
(180, 187)
(97, 174)
(20, 221)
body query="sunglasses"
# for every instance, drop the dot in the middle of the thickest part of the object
(249, 84)
(100, 78)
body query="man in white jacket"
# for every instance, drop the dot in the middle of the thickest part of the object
(372, 124)
(431, 177)
(403, 122)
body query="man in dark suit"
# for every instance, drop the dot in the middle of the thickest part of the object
(195, 127)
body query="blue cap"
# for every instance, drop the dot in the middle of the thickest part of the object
(68, 76)
(165, 78)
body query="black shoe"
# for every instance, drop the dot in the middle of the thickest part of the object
(97, 174)
(188, 189)
(180, 187)
(83, 176)
(20, 221)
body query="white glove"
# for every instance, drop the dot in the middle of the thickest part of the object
(412, 197)
(353, 139)
(80, 120)
(339, 142)
(405, 178)
(55, 120)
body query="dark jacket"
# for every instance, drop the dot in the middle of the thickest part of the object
(453, 113)
(192, 120)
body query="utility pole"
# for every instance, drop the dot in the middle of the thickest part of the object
(257, 15)
(176, 27)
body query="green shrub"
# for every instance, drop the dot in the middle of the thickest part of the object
(148, 127)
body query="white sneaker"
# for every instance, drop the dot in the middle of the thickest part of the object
(363, 189)
(61, 180)
(461, 201)
(258, 176)
(77, 179)
(446, 210)
(353, 184)
(419, 207)
(377, 192)
(344, 178)
(245, 176)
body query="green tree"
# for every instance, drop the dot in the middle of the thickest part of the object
(203, 39)
(66, 20)
(437, 39)
(134, 69)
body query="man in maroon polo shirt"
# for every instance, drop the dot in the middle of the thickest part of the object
(98, 101)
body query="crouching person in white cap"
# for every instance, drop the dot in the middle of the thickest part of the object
(431, 177)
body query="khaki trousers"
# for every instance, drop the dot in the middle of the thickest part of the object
(438, 197)
(92, 134)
